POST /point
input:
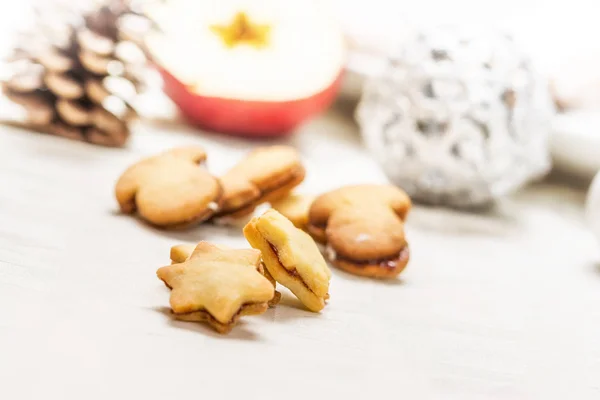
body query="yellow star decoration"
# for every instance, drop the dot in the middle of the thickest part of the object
(217, 285)
(243, 31)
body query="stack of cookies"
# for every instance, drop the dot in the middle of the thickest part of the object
(173, 190)
(217, 284)
(359, 228)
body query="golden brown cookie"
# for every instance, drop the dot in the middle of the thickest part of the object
(266, 174)
(363, 228)
(182, 252)
(294, 207)
(170, 190)
(292, 257)
(217, 285)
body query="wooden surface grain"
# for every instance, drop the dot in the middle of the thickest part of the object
(499, 305)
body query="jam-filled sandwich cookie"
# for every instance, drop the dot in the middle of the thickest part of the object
(217, 285)
(362, 227)
(182, 252)
(266, 174)
(292, 257)
(170, 190)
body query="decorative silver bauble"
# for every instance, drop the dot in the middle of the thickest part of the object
(458, 117)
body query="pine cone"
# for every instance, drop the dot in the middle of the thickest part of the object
(76, 76)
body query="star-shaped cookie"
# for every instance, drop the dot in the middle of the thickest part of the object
(217, 285)
(182, 252)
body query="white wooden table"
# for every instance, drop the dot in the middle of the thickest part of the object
(504, 305)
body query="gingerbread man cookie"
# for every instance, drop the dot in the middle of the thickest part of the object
(363, 228)
(182, 252)
(217, 285)
(266, 174)
(292, 257)
(170, 190)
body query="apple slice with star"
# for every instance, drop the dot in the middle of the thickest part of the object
(252, 68)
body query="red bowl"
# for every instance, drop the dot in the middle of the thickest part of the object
(247, 118)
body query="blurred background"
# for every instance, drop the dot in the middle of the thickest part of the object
(488, 110)
(558, 38)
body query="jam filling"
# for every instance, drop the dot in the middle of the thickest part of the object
(387, 263)
(293, 273)
(233, 319)
(262, 194)
(191, 220)
(320, 225)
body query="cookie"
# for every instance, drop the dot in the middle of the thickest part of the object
(266, 174)
(217, 285)
(182, 252)
(170, 190)
(295, 208)
(292, 258)
(363, 228)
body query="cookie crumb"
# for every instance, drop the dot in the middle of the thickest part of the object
(330, 252)
(362, 237)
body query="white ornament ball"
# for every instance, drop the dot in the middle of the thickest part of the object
(458, 117)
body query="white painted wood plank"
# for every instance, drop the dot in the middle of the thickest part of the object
(498, 306)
